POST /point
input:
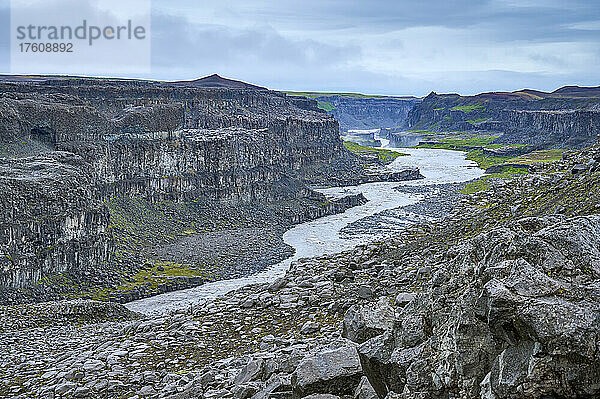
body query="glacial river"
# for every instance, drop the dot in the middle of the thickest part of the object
(322, 236)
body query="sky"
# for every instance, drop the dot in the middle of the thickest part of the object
(394, 47)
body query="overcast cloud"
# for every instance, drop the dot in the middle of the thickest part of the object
(377, 46)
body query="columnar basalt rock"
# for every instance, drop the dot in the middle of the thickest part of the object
(565, 129)
(53, 218)
(74, 144)
(544, 120)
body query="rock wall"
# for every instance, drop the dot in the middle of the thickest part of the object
(52, 218)
(364, 113)
(208, 142)
(76, 144)
(566, 129)
(544, 122)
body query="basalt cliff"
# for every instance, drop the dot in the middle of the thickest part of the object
(566, 118)
(355, 112)
(96, 171)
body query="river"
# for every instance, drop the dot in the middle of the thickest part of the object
(322, 236)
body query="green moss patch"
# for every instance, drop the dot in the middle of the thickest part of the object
(482, 184)
(326, 106)
(150, 278)
(540, 156)
(476, 121)
(385, 156)
(468, 108)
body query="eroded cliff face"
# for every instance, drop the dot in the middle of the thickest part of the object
(208, 142)
(565, 128)
(544, 120)
(363, 113)
(53, 218)
(69, 146)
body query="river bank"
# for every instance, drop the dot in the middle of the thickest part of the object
(322, 236)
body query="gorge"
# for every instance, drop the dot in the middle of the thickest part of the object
(565, 118)
(199, 152)
(257, 255)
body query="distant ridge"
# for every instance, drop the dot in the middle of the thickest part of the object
(530, 94)
(208, 82)
(216, 81)
(578, 91)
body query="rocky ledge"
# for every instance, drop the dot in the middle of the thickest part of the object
(500, 300)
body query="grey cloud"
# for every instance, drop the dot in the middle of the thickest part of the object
(385, 15)
(174, 39)
(323, 45)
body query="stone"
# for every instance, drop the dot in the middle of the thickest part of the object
(65, 387)
(365, 321)
(278, 284)
(335, 371)
(403, 298)
(81, 392)
(93, 365)
(364, 390)
(310, 327)
(247, 303)
(365, 292)
(146, 391)
(249, 372)
(115, 385)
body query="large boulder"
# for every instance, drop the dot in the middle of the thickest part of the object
(335, 370)
(365, 321)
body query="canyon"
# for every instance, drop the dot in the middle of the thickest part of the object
(364, 112)
(216, 239)
(204, 152)
(565, 118)
(569, 117)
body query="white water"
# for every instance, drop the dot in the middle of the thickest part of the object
(321, 236)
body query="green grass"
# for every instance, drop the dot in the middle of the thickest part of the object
(326, 105)
(482, 184)
(460, 144)
(478, 120)
(485, 161)
(540, 156)
(384, 155)
(469, 145)
(468, 108)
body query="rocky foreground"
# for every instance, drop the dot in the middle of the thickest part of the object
(500, 300)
